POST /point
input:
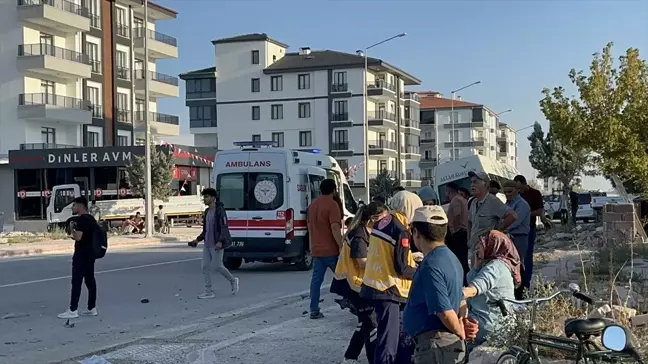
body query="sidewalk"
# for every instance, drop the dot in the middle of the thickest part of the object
(64, 246)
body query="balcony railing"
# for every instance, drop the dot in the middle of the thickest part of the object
(43, 49)
(159, 77)
(411, 176)
(31, 146)
(410, 123)
(95, 21)
(201, 95)
(381, 115)
(203, 123)
(97, 111)
(123, 115)
(123, 73)
(340, 87)
(381, 84)
(340, 116)
(427, 140)
(160, 37)
(412, 96)
(411, 149)
(158, 117)
(340, 146)
(122, 30)
(64, 5)
(381, 144)
(96, 66)
(56, 100)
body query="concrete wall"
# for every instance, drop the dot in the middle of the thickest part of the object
(7, 196)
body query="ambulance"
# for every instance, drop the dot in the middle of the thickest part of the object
(266, 192)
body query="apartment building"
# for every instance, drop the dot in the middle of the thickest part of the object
(73, 78)
(309, 99)
(73, 74)
(477, 130)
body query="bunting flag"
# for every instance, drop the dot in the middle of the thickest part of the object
(350, 171)
(185, 153)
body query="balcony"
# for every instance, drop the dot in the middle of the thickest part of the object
(97, 111)
(465, 125)
(411, 151)
(427, 162)
(161, 124)
(51, 61)
(411, 123)
(382, 148)
(54, 108)
(427, 140)
(62, 15)
(340, 87)
(380, 89)
(160, 85)
(123, 73)
(122, 30)
(501, 138)
(123, 116)
(159, 45)
(337, 146)
(411, 97)
(502, 154)
(476, 142)
(32, 146)
(382, 119)
(411, 179)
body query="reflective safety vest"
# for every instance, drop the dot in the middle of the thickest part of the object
(347, 269)
(380, 273)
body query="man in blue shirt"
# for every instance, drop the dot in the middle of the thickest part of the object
(432, 315)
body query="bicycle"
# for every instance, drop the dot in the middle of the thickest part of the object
(618, 341)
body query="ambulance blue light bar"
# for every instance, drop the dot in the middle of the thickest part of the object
(257, 143)
(314, 151)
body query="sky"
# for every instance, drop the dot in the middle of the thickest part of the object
(515, 48)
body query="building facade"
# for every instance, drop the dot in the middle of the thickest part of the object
(477, 130)
(310, 99)
(73, 77)
(200, 96)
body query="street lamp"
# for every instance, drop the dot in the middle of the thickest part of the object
(148, 201)
(452, 121)
(503, 112)
(365, 121)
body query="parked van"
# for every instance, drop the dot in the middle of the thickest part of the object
(266, 192)
(585, 211)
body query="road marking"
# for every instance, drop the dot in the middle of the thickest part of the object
(100, 272)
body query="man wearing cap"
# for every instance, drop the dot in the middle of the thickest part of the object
(519, 230)
(485, 212)
(435, 314)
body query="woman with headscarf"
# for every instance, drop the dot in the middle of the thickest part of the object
(388, 276)
(348, 279)
(496, 273)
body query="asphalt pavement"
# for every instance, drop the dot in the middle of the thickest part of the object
(33, 290)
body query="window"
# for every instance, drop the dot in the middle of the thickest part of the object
(139, 105)
(202, 116)
(201, 88)
(382, 166)
(279, 139)
(341, 107)
(276, 83)
(256, 112)
(138, 23)
(256, 85)
(122, 101)
(255, 57)
(303, 81)
(122, 66)
(454, 155)
(93, 9)
(92, 95)
(48, 135)
(341, 136)
(121, 16)
(235, 191)
(305, 139)
(48, 88)
(256, 137)
(304, 110)
(340, 78)
(93, 52)
(454, 136)
(92, 139)
(122, 140)
(47, 40)
(276, 112)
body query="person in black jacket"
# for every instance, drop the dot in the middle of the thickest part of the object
(217, 238)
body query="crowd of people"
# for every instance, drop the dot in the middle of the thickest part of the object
(423, 282)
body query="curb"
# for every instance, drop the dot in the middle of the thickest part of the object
(23, 252)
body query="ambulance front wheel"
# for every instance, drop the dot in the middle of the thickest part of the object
(305, 261)
(233, 263)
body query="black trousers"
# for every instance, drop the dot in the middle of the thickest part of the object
(458, 244)
(365, 332)
(83, 271)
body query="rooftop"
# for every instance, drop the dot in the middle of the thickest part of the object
(438, 102)
(252, 37)
(326, 59)
(201, 73)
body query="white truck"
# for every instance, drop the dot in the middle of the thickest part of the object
(186, 209)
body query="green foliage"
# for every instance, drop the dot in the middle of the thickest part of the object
(161, 175)
(383, 185)
(551, 158)
(608, 117)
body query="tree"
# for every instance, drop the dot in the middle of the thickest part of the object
(608, 118)
(551, 158)
(161, 175)
(383, 185)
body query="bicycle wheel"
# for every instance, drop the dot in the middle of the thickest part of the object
(512, 357)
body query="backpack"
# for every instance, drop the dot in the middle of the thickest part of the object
(99, 242)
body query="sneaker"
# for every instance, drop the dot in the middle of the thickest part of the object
(316, 315)
(206, 295)
(235, 286)
(68, 314)
(92, 312)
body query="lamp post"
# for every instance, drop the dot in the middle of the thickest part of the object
(148, 202)
(452, 121)
(504, 112)
(365, 121)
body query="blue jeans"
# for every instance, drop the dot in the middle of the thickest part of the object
(320, 264)
(527, 274)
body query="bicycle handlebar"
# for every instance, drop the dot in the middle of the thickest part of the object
(576, 294)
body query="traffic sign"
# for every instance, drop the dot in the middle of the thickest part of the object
(22, 194)
(122, 192)
(98, 192)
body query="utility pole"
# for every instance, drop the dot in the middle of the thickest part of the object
(148, 201)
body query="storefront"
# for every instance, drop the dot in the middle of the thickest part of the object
(37, 171)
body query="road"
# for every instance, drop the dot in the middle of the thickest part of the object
(34, 290)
